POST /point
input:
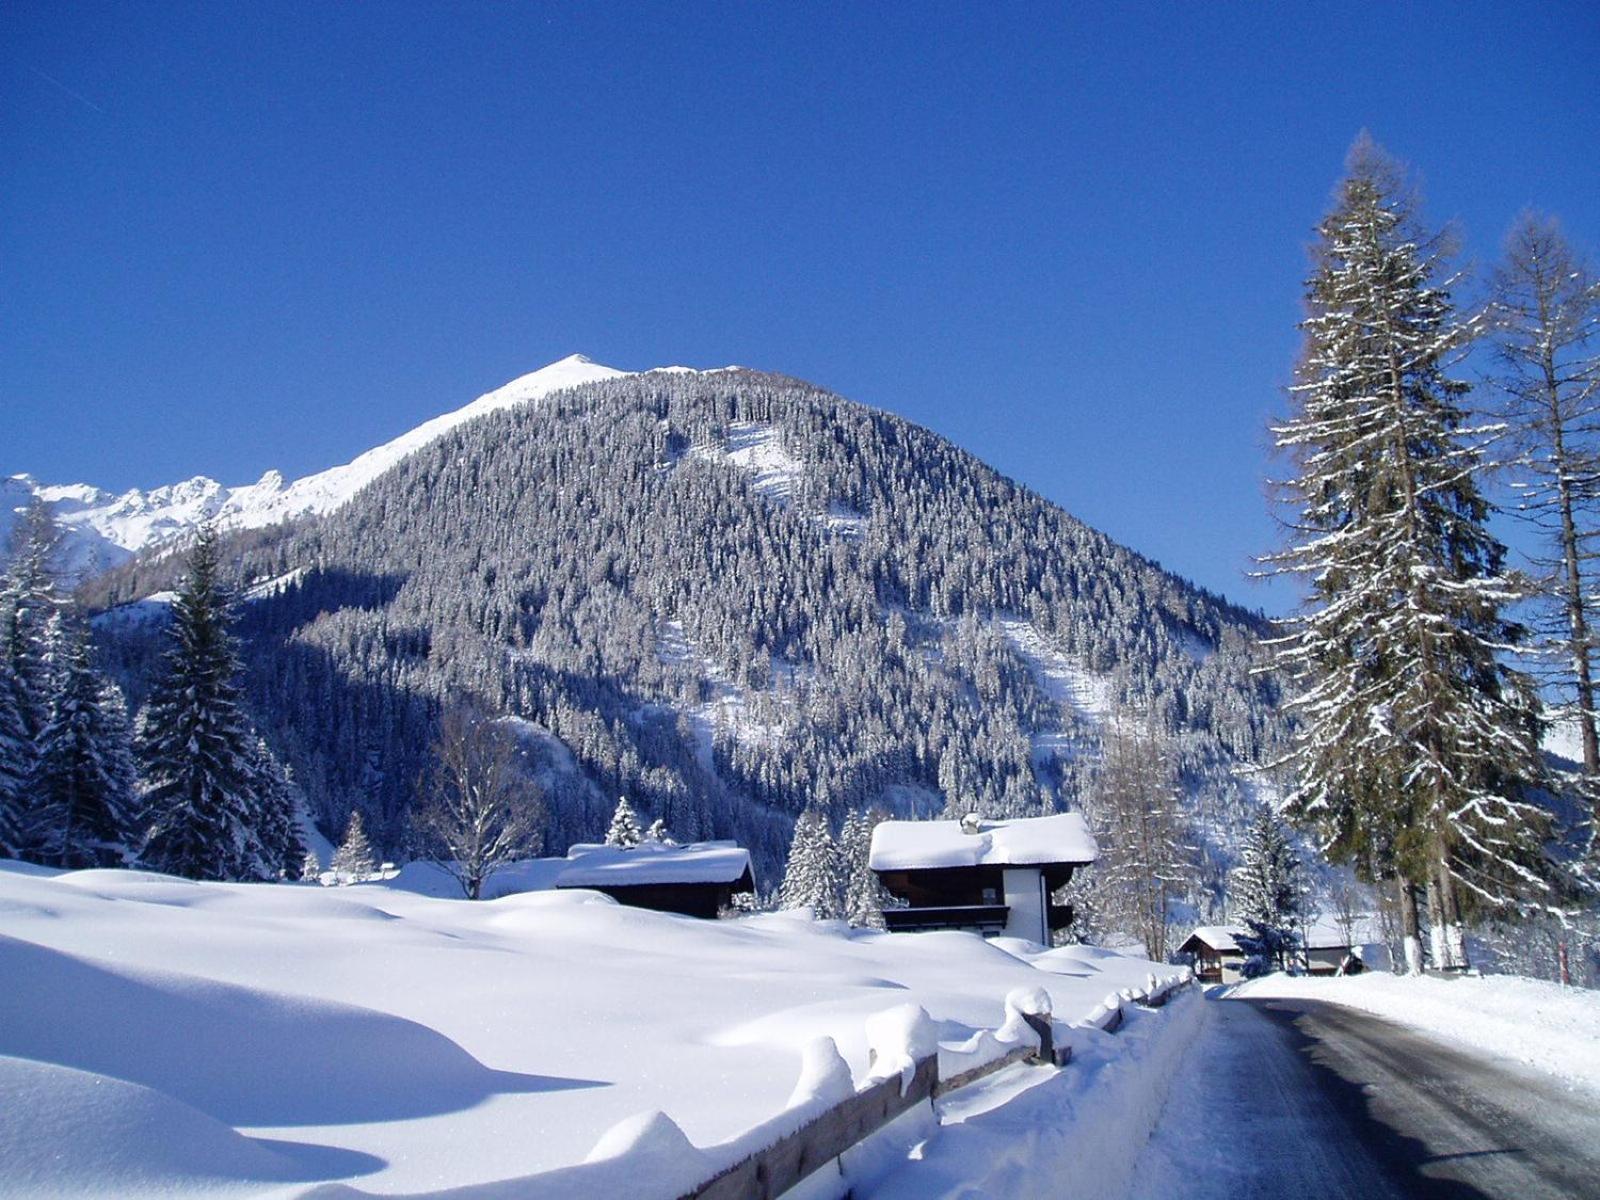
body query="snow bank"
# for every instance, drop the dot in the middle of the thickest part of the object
(910, 845)
(1073, 1134)
(1544, 1025)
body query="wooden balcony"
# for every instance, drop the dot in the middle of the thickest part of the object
(985, 918)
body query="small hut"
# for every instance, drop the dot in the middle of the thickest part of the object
(990, 877)
(696, 880)
(1218, 957)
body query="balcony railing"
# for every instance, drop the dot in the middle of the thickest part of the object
(987, 918)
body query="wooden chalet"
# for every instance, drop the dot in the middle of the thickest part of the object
(1218, 957)
(696, 880)
(990, 877)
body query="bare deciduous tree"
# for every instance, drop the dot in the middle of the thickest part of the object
(1145, 860)
(1547, 319)
(480, 808)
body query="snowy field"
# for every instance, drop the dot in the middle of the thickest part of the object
(1531, 1021)
(159, 1036)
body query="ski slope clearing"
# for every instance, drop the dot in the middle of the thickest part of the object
(1542, 1024)
(159, 1036)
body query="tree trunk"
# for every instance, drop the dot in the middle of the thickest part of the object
(1455, 943)
(1408, 924)
(1436, 939)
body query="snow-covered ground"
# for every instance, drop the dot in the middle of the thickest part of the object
(163, 1036)
(1542, 1024)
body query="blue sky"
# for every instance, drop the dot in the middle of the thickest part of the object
(1069, 237)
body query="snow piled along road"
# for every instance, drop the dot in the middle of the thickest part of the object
(164, 1036)
(1542, 1024)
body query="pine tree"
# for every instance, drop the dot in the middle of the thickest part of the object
(195, 746)
(1266, 891)
(354, 860)
(624, 829)
(1547, 323)
(29, 600)
(658, 833)
(814, 875)
(275, 817)
(84, 783)
(865, 897)
(310, 868)
(1416, 744)
(16, 763)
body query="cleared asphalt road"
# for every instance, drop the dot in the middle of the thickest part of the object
(1303, 1099)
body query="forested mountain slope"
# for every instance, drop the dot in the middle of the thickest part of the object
(726, 594)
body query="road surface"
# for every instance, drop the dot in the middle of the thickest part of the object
(1301, 1100)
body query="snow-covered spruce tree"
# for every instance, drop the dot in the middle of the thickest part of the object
(1266, 889)
(481, 807)
(658, 834)
(865, 897)
(1416, 744)
(814, 875)
(85, 783)
(29, 599)
(1546, 312)
(276, 816)
(1146, 860)
(624, 830)
(195, 746)
(354, 860)
(310, 868)
(16, 764)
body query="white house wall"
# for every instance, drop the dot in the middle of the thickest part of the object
(1028, 903)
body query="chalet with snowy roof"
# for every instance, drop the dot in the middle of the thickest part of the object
(696, 880)
(991, 877)
(1333, 948)
(1218, 957)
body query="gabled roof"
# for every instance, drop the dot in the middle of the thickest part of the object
(1024, 841)
(653, 863)
(1221, 938)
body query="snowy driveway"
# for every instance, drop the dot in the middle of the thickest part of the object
(1295, 1098)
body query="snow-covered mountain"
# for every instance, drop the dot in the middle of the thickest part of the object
(104, 529)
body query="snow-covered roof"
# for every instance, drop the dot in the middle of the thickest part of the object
(1221, 938)
(651, 863)
(1024, 841)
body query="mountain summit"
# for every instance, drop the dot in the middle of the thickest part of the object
(103, 529)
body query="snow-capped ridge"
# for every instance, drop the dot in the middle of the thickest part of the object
(104, 529)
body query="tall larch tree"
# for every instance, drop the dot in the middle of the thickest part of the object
(1416, 745)
(194, 743)
(1146, 861)
(1546, 315)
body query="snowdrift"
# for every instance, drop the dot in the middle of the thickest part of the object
(165, 1037)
